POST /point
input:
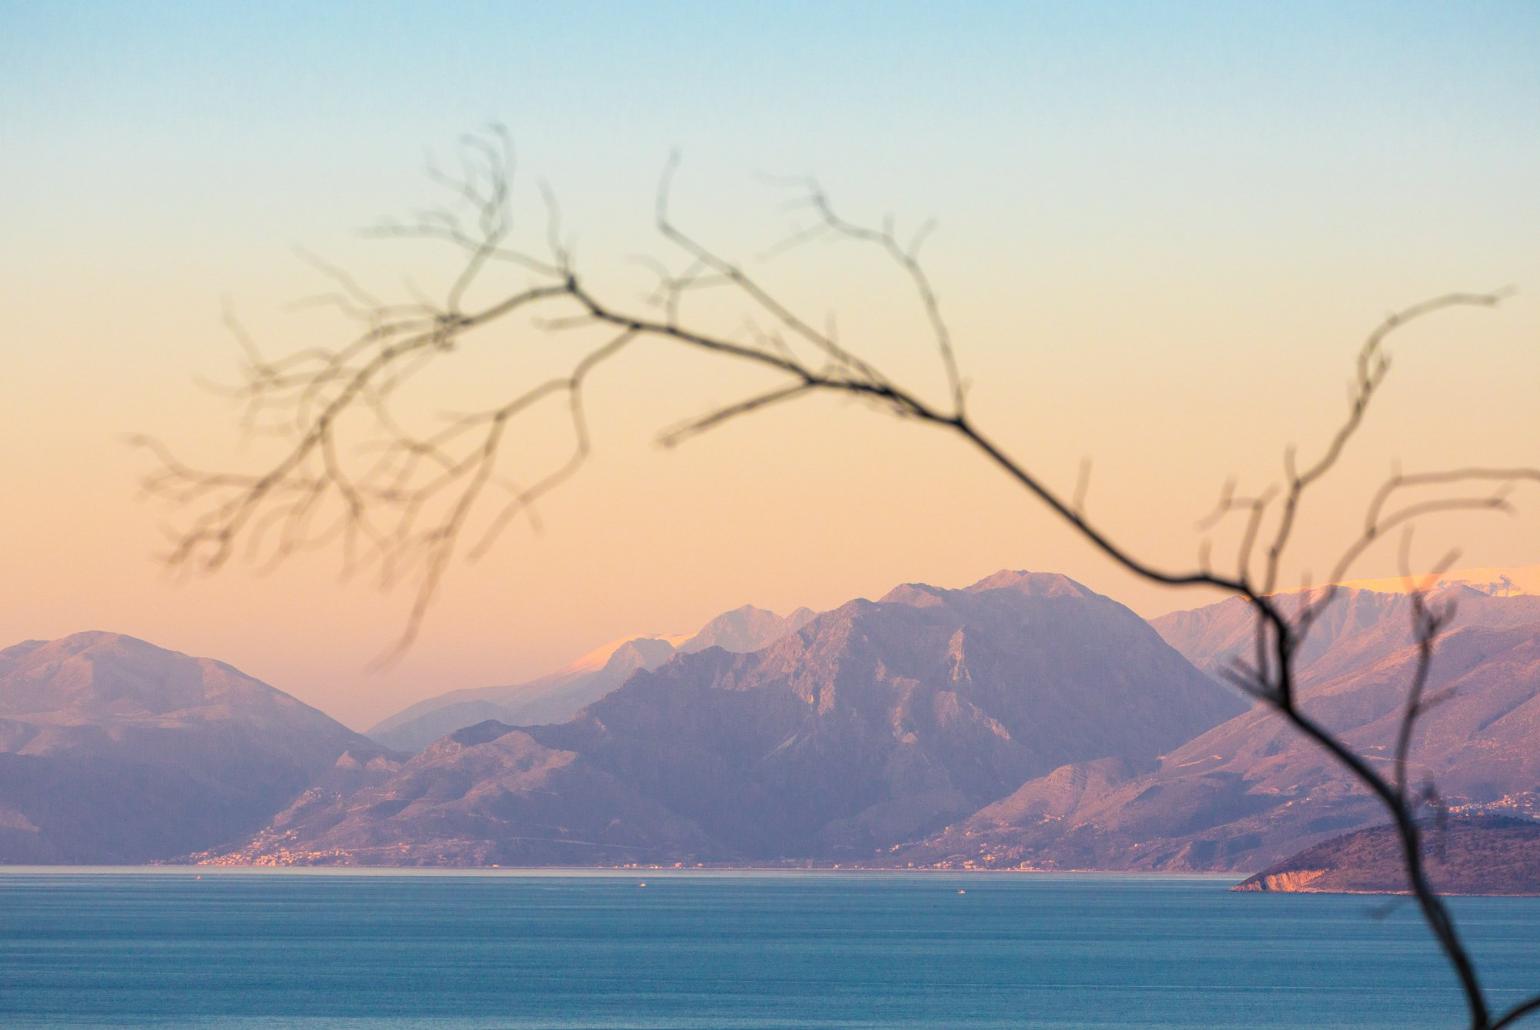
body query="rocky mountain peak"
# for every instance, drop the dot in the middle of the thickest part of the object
(1032, 584)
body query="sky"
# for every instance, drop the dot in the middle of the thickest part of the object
(1162, 231)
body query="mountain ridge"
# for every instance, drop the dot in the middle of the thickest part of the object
(115, 750)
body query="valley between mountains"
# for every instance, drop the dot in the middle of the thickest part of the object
(1023, 722)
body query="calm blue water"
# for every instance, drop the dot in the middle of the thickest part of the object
(726, 951)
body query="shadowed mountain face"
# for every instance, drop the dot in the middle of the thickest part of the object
(1467, 855)
(1250, 791)
(873, 723)
(561, 695)
(114, 750)
(485, 795)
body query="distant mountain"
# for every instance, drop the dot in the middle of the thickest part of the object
(114, 750)
(1358, 627)
(561, 695)
(1467, 855)
(746, 629)
(1251, 791)
(873, 723)
(485, 795)
(1509, 581)
(551, 698)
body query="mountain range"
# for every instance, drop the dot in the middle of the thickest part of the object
(874, 722)
(1024, 721)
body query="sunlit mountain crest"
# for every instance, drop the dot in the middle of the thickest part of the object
(1513, 581)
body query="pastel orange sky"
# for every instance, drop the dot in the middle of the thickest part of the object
(1156, 251)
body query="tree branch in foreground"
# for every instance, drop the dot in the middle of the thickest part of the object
(401, 500)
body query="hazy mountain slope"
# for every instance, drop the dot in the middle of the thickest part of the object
(559, 696)
(1466, 855)
(551, 698)
(746, 629)
(114, 750)
(874, 722)
(484, 795)
(1357, 626)
(1250, 791)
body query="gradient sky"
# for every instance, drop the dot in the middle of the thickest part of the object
(1163, 230)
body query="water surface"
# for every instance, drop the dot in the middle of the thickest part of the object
(727, 951)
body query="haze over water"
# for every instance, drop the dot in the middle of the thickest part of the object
(726, 950)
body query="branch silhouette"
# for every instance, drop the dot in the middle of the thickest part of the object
(401, 500)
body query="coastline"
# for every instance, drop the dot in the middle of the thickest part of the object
(604, 872)
(180, 870)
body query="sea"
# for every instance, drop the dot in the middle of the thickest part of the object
(643, 950)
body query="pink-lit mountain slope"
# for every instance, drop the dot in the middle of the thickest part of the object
(115, 750)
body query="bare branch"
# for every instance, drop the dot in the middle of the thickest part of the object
(403, 499)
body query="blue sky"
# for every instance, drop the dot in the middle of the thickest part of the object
(860, 87)
(1212, 117)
